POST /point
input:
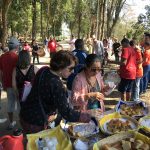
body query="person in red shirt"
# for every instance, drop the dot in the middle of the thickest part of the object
(7, 63)
(52, 45)
(139, 71)
(146, 68)
(26, 46)
(127, 70)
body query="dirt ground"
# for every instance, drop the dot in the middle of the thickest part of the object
(110, 101)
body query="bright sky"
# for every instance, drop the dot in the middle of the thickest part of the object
(137, 6)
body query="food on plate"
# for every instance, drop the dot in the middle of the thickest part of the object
(83, 129)
(127, 144)
(108, 147)
(117, 125)
(135, 110)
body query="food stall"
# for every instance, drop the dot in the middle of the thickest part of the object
(113, 130)
(125, 127)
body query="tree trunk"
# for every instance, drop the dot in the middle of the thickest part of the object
(103, 19)
(79, 24)
(53, 28)
(110, 12)
(99, 20)
(11, 29)
(34, 19)
(47, 21)
(71, 28)
(42, 20)
(114, 8)
(0, 23)
(5, 7)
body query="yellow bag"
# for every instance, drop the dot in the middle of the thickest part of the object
(64, 142)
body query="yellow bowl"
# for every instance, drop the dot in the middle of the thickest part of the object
(103, 121)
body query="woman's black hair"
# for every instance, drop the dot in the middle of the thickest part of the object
(105, 40)
(24, 59)
(62, 59)
(90, 59)
(79, 44)
(132, 43)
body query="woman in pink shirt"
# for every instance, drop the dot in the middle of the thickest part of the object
(88, 86)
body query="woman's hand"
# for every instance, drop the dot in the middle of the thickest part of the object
(51, 118)
(97, 95)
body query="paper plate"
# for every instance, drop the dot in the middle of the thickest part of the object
(103, 122)
(85, 133)
(112, 76)
(145, 122)
(132, 104)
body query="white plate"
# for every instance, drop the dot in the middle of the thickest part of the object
(111, 76)
(145, 122)
(78, 126)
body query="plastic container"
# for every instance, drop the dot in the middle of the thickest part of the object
(14, 142)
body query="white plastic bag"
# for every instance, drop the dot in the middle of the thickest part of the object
(26, 90)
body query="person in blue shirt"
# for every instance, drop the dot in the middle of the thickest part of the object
(81, 55)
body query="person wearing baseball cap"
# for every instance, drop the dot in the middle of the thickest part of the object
(7, 63)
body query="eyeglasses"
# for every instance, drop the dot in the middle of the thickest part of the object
(71, 68)
(96, 69)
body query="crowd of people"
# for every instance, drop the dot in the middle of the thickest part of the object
(78, 71)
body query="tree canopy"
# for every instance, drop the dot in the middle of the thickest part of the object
(40, 18)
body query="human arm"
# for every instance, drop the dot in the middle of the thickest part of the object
(60, 100)
(124, 56)
(59, 45)
(139, 58)
(146, 55)
(1, 76)
(14, 85)
(1, 73)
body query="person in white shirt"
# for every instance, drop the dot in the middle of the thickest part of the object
(98, 49)
(72, 43)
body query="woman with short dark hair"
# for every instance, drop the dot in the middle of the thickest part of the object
(53, 95)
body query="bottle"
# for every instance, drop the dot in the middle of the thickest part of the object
(41, 144)
(51, 143)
